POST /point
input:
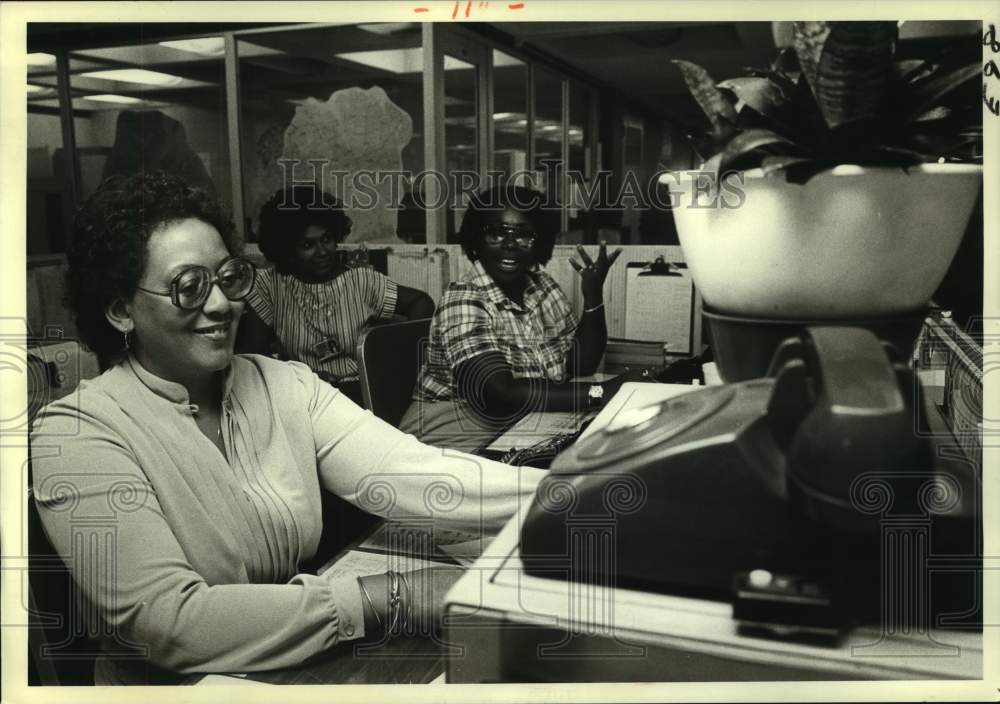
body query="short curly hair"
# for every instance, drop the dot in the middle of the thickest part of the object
(289, 212)
(488, 204)
(111, 233)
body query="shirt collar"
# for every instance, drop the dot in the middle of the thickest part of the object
(170, 390)
(482, 280)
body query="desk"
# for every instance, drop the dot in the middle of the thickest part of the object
(514, 627)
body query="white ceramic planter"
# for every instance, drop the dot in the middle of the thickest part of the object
(852, 242)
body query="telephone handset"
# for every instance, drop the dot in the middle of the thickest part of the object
(843, 406)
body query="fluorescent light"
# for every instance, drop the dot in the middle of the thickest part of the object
(136, 75)
(36, 89)
(39, 59)
(386, 28)
(112, 98)
(502, 59)
(399, 60)
(393, 60)
(205, 46)
(450, 62)
(507, 115)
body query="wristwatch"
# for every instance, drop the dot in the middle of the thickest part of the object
(595, 395)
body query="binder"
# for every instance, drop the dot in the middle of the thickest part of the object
(660, 304)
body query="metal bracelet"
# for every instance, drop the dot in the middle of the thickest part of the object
(368, 598)
(408, 602)
(395, 607)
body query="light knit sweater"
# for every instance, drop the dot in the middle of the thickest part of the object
(194, 558)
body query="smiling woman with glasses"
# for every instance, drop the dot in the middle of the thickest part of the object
(504, 340)
(205, 468)
(312, 304)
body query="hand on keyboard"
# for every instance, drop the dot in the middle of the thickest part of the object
(541, 453)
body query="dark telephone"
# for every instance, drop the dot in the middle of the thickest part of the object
(805, 473)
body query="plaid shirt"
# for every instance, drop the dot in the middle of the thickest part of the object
(474, 317)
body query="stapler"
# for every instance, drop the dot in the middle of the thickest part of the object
(819, 472)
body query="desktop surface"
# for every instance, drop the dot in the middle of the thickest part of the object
(520, 626)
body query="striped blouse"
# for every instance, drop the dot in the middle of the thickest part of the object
(320, 324)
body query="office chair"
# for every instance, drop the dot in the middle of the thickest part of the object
(389, 358)
(60, 650)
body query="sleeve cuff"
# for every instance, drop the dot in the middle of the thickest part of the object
(389, 299)
(350, 608)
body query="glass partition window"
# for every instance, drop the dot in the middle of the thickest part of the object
(461, 135)
(48, 204)
(580, 176)
(510, 115)
(155, 106)
(342, 105)
(548, 134)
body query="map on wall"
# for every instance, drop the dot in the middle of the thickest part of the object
(356, 130)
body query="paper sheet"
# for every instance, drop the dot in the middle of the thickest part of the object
(539, 426)
(658, 308)
(463, 546)
(358, 563)
(468, 552)
(233, 680)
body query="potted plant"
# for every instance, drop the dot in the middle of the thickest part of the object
(855, 174)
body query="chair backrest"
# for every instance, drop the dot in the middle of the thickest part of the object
(389, 358)
(61, 652)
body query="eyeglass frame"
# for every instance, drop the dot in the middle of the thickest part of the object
(212, 282)
(503, 231)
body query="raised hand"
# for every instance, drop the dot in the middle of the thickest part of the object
(594, 272)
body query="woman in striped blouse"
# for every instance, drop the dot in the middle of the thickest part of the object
(316, 307)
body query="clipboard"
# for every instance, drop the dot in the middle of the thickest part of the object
(659, 304)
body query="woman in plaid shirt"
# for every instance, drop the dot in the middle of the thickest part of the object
(504, 340)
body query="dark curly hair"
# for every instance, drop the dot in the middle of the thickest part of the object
(111, 233)
(488, 204)
(289, 212)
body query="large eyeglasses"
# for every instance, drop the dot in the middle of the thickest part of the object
(494, 235)
(191, 288)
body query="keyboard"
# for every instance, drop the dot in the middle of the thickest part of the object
(541, 453)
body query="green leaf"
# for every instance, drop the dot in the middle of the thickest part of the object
(710, 99)
(938, 113)
(785, 61)
(848, 65)
(911, 70)
(773, 164)
(925, 95)
(759, 93)
(749, 141)
(808, 39)
(899, 156)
